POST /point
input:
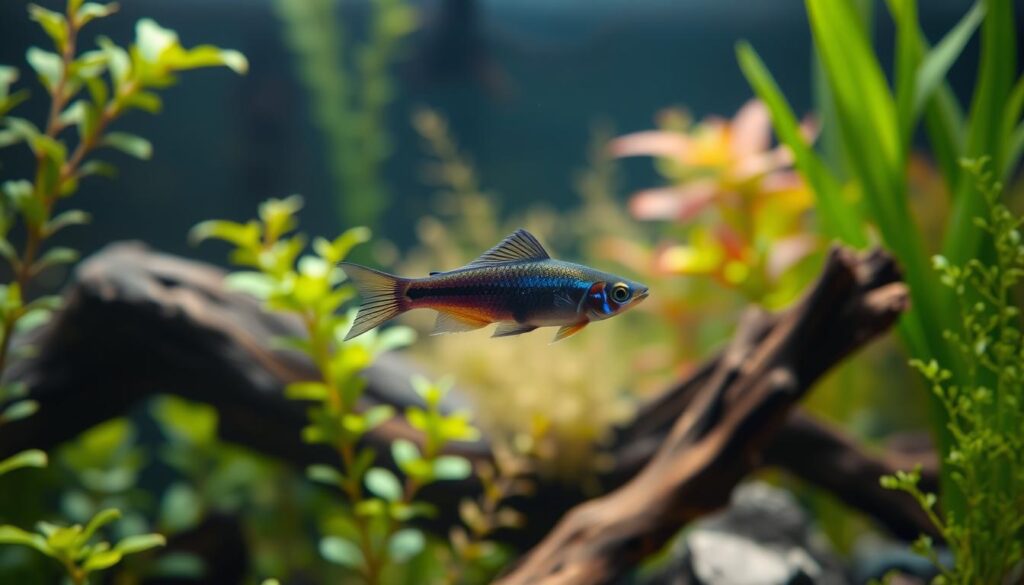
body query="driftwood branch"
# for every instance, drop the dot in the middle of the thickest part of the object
(138, 323)
(737, 406)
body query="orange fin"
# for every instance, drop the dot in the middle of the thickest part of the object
(453, 323)
(569, 330)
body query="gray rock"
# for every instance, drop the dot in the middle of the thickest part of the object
(764, 537)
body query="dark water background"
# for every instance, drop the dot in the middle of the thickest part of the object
(224, 143)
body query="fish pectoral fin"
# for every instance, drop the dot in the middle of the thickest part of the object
(569, 330)
(454, 323)
(508, 328)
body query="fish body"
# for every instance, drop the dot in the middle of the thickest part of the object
(515, 284)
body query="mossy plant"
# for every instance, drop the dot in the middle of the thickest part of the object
(986, 412)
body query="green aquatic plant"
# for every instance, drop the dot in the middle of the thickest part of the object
(351, 88)
(986, 412)
(116, 81)
(77, 548)
(88, 91)
(376, 533)
(863, 183)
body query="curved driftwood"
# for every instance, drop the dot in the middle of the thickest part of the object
(736, 408)
(137, 323)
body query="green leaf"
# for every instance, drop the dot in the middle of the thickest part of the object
(325, 474)
(14, 535)
(48, 66)
(140, 543)
(118, 61)
(378, 415)
(97, 167)
(32, 319)
(278, 215)
(19, 410)
(837, 218)
(53, 23)
(180, 508)
(91, 11)
(55, 257)
(30, 458)
(404, 451)
(146, 101)
(938, 61)
(341, 551)
(102, 560)
(98, 521)
(131, 144)
(405, 544)
(452, 467)
(242, 235)
(66, 219)
(383, 484)
(316, 391)
(152, 39)
(207, 56)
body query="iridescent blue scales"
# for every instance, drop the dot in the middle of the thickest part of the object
(514, 284)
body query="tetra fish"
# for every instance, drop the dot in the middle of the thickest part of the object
(515, 284)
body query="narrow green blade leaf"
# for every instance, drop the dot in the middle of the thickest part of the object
(938, 61)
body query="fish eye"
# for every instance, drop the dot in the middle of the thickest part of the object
(620, 293)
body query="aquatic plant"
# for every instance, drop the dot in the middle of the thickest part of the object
(350, 86)
(986, 413)
(116, 80)
(75, 547)
(865, 184)
(744, 210)
(375, 534)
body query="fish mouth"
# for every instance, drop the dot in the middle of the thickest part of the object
(642, 295)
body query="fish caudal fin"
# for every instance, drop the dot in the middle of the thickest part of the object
(383, 297)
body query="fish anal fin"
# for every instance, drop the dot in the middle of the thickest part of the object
(520, 246)
(454, 323)
(509, 328)
(569, 331)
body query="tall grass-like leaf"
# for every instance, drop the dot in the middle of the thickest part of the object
(938, 61)
(908, 58)
(836, 215)
(996, 74)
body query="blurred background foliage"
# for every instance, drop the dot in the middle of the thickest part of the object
(631, 144)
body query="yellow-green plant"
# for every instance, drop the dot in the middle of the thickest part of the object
(76, 547)
(985, 413)
(376, 533)
(88, 92)
(350, 87)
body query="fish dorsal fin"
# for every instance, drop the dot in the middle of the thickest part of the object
(520, 246)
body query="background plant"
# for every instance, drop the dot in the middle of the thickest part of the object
(864, 182)
(350, 86)
(741, 210)
(375, 532)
